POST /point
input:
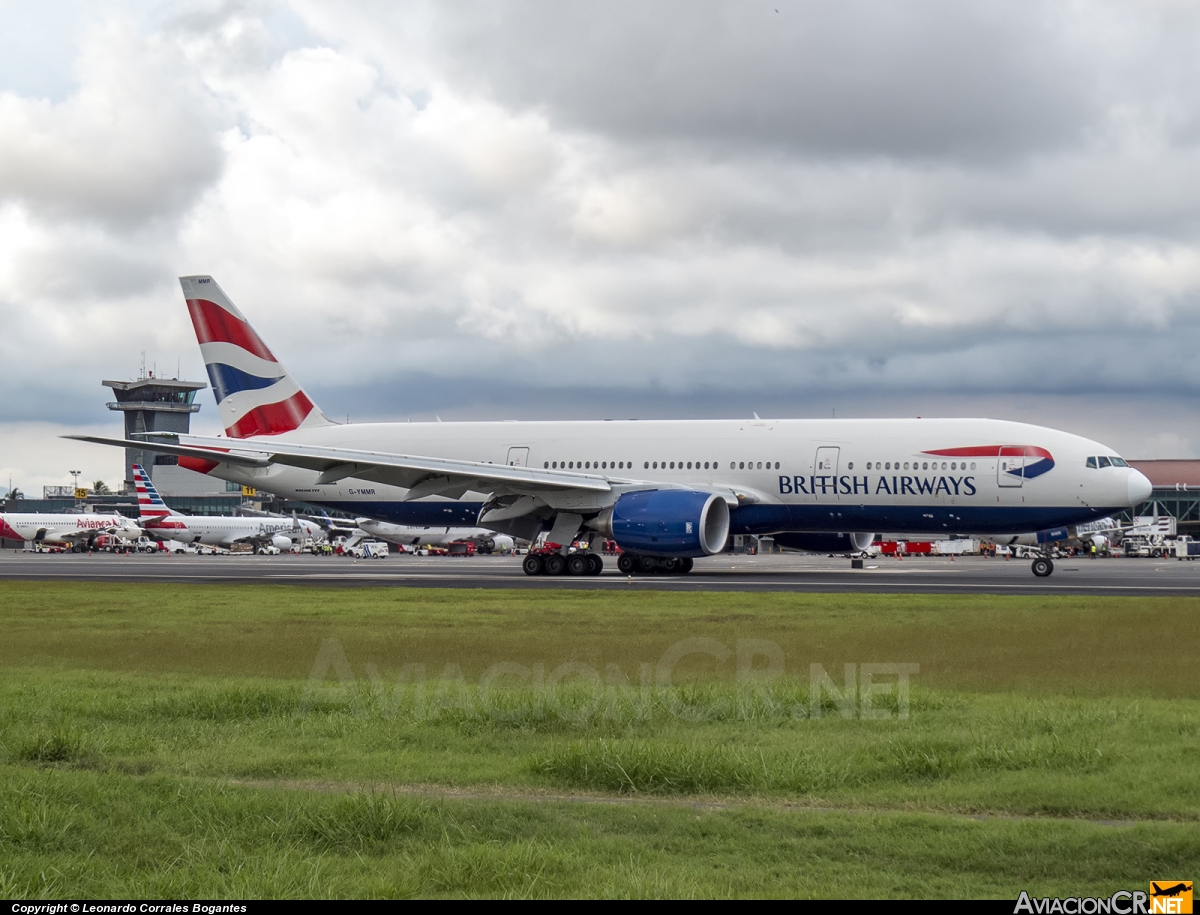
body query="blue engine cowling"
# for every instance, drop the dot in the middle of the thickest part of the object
(825, 543)
(1053, 535)
(668, 522)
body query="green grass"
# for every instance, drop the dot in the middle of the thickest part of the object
(168, 741)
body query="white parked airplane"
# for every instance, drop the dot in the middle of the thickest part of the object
(666, 491)
(214, 530)
(80, 530)
(411, 535)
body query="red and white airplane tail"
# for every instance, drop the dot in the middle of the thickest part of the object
(153, 512)
(255, 394)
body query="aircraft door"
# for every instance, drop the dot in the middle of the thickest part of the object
(1010, 467)
(518, 457)
(826, 465)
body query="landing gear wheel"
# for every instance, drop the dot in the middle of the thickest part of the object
(685, 565)
(627, 563)
(595, 564)
(577, 564)
(647, 564)
(1042, 567)
(670, 566)
(555, 564)
(533, 565)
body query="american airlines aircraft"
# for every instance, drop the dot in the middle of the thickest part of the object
(214, 530)
(666, 491)
(79, 529)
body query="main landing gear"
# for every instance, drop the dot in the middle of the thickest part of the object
(632, 563)
(1043, 566)
(555, 563)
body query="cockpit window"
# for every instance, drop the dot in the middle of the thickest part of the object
(1119, 462)
(1104, 461)
(1091, 462)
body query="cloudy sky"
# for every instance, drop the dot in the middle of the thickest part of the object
(558, 209)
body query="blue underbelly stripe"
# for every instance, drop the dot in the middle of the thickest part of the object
(767, 519)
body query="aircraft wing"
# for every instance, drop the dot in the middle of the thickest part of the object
(422, 476)
(223, 453)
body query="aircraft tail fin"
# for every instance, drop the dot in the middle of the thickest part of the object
(255, 394)
(150, 503)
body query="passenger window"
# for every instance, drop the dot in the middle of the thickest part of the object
(1104, 462)
(1091, 462)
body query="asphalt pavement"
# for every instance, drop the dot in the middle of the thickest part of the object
(728, 572)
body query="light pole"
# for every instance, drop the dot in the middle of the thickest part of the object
(75, 474)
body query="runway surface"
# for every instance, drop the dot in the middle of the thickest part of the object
(787, 572)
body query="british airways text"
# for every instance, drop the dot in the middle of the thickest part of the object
(895, 486)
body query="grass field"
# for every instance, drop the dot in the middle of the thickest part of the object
(170, 740)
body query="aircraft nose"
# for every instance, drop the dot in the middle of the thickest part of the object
(1139, 488)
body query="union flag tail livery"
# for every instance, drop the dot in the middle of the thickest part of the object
(255, 394)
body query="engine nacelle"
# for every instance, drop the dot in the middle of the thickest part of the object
(1054, 535)
(667, 522)
(825, 543)
(281, 542)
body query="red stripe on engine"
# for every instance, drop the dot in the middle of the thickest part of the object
(214, 324)
(273, 418)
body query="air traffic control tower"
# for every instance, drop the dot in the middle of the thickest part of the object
(153, 405)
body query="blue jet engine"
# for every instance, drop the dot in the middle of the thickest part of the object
(667, 522)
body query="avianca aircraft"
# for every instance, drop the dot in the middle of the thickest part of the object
(80, 530)
(666, 491)
(215, 530)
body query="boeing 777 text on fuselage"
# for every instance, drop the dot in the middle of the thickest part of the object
(666, 491)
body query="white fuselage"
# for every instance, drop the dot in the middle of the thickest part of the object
(413, 535)
(64, 527)
(800, 475)
(217, 530)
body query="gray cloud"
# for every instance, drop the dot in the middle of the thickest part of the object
(936, 78)
(137, 140)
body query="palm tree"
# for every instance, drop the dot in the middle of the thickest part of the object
(100, 488)
(13, 494)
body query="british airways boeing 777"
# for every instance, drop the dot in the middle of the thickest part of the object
(666, 491)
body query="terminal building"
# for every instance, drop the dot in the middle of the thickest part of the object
(1176, 493)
